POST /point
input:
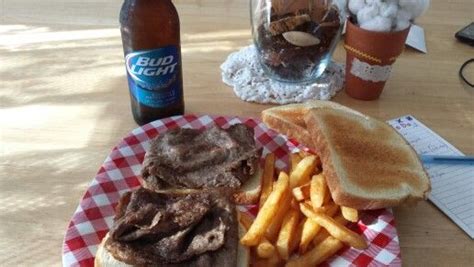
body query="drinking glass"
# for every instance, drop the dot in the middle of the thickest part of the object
(295, 38)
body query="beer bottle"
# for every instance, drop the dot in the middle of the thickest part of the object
(152, 49)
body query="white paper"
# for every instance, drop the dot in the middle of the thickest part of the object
(416, 38)
(452, 185)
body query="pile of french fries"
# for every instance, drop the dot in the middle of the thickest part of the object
(298, 223)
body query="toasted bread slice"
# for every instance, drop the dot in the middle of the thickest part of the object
(289, 119)
(367, 164)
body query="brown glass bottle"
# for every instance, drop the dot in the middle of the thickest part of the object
(152, 49)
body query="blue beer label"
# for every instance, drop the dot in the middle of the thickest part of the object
(153, 76)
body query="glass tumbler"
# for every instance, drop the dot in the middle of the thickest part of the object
(295, 38)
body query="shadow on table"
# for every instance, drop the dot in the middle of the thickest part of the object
(62, 108)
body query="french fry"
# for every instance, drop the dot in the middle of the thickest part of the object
(301, 173)
(311, 228)
(267, 178)
(287, 232)
(334, 228)
(329, 208)
(267, 212)
(297, 238)
(318, 254)
(270, 262)
(274, 228)
(327, 197)
(303, 154)
(350, 214)
(294, 160)
(323, 234)
(261, 263)
(301, 192)
(295, 204)
(265, 249)
(318, 190)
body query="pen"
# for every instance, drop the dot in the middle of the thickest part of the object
(447, 159)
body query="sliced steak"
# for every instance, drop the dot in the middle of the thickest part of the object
(170, 229)
(189, 158)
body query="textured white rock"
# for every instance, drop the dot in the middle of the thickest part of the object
(301, 38)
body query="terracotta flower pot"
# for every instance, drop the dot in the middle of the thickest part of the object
(369, 59)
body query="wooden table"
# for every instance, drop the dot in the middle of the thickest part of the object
(65, 104)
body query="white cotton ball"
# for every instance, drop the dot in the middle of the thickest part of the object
(378, 24)
(367, 13)
(372, 2)
(402, 14)
(405, 3)
(402, 24)
(390, 10)
(402, 20)
(415, 7)
(356, 5)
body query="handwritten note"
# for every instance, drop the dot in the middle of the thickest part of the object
(452, 184)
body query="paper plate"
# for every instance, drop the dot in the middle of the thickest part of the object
(118, 174)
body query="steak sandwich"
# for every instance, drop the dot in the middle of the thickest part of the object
(184, 214)
(211, 158)
(197, 228)
(366, 163)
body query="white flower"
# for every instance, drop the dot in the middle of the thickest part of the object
(378, 24)
(402, 20)
(372, 2)
(390, 10)
(356, 5)
(367, 13)
(386, 15)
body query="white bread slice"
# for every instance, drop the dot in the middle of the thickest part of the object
(103, 258)
(249, 193)
(367, 164)
(289, 119)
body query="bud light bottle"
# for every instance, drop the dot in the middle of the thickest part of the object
(152, 48)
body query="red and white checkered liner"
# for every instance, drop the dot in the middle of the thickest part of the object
(118, 174)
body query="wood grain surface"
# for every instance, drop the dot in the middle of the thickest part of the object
(65, 104)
